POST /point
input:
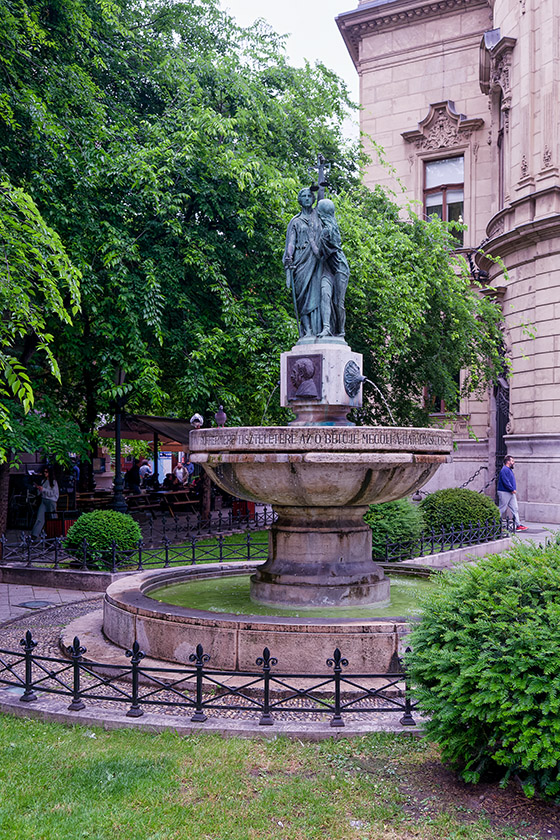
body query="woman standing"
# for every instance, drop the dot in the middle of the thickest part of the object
(49, 497)
(302, 264)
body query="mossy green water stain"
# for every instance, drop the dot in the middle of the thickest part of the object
(231, 595)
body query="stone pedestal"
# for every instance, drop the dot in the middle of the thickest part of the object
(320, 382)
(317, 557)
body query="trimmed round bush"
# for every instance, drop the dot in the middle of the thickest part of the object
(399, 522)
(456, 507)
(485, 666)
(100, 529)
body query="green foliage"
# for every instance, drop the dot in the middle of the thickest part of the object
(486, 668)
(166, 147)
(45, 428)
(100, 529)
(457, 506)
(414, 311)
(38, 287)
(138, 449)
(400, 521)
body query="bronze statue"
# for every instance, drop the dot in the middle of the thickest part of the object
(316, 268)
(334, 272)
(302, 264)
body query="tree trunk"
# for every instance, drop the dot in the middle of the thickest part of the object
(4, 484)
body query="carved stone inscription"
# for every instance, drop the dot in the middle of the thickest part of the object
(316, 437)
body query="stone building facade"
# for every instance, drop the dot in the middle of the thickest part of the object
(464, 97)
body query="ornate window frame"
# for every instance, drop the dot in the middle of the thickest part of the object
(444, 133)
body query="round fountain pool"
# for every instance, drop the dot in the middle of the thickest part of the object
(300, 642)
(232, 595)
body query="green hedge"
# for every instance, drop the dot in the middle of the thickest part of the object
(456, 507)
(485, 666)
(100, 529)
(399, 522)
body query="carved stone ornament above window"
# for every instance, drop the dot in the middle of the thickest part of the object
(442, 128)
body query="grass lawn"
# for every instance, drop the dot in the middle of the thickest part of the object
(64, 783)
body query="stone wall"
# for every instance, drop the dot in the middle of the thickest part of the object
(433, 85)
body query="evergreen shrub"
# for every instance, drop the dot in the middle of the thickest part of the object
(100, 529)
(457, 506)
(399, 522)
(485, 666)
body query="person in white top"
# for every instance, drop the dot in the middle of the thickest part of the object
(49, 497)
(145, 472)
(181, 472)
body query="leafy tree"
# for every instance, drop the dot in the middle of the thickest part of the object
(166, 147)
(414, 310)
(165, 144)
(38, 284)
(39, 289)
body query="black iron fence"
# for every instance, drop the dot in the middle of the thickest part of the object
(52, 553)
(180, 526)
(198, 548)
(196, 690)
(446, 539)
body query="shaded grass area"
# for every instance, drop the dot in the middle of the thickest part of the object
(63, 783)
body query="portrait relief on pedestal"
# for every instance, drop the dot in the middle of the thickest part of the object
(305, 374)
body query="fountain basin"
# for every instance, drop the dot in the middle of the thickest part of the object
(320, 481)
(234, 642)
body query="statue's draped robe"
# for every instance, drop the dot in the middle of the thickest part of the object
(306, 266)
(334, 269)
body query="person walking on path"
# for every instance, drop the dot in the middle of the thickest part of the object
(507, 493)
(49, 497)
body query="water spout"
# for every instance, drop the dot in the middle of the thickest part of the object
(384, 400)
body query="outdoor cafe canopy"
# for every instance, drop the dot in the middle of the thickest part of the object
(171, 434)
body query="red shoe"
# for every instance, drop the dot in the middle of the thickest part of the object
(521, 528)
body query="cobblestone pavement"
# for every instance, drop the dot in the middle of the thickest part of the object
(301, 717)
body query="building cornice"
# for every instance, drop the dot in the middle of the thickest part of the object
(381, 15)
(503, 240)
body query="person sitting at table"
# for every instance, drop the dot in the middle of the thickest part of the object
(145, 472)
(171, 482)
(132, 478)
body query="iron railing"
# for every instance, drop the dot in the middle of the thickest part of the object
(199, 689)
(51, 553)
(431, 541)
(185, 525)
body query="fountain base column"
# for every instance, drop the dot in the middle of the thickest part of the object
(320, 557)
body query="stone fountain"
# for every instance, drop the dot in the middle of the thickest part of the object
(320, 473)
